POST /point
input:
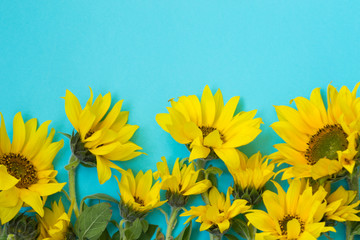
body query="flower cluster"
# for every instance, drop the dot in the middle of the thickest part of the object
(321, 146)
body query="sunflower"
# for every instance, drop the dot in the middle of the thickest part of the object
(250, 176)
(296, 214)
(216, 216)
(181, 183)
(341, 207)
(138, 194)
(100, 137)
(55, 223)
(27, 175)
(208, 128)
(319, 141)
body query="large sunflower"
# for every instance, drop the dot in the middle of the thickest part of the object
(319, 141)
(296, 214)
(209, 128)
(26, 171)
(100, 137)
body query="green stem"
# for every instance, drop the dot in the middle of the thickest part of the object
(172, 221)
(252, 231)
(353, 182)
(215, 237)
(72, 188)
(201, 163)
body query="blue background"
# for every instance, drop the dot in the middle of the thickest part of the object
(147, 52)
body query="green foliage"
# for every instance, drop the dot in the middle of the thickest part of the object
(241, 228)
(185, 233)
(93, 221)
(98, 196)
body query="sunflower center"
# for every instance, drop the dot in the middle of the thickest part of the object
(325, 143)
(286, 219)
(139, 201)
(21, 168)
(89, 134)
(207, 130)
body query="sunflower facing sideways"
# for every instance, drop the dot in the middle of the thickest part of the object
(208, 127)
(26, 171)
(100, 137)
(296, 214)
(319, 142)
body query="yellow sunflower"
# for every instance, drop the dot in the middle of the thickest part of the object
(216, 216)
(181, 183)
(341, 207)
(55, 223)
(27, 175)
(138, 194)
(319, 141)
(100, 137)
(250, 176)
(296, 214)
(209, 128)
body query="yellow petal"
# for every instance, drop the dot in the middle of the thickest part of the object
(72, 109)
(9, 198)
(18, 133)
(6, 214)
(46, 189)
(229, 156)
(5, 144)
(293, 229)
(207, 107)
(164, 120)
(33, 200)
(7, 180)
(199, 152)
(104, 172)
(213, 139)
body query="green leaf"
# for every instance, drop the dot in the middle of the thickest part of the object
(98, 196)
(185, 233)
(213, 179)
(145, 225)
(159, 235)
(134, 231)
(93, 221)
(213, 170)
(147, 235)
(356, 229)
(230, 237)
(105, 235)
(240, 228)
(116, 236)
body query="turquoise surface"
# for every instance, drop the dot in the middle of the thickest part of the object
(147, 52)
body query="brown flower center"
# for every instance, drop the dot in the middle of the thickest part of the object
(325, 143)
(21, 168)
(207, 130)
(139, 201)
(89, 134)
(283, 223)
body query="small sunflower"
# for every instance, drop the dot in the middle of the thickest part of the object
(341, 207)
(216, 216)
(208, 128)
(296, 214)
(138, 194)
(55, 223)
(27, 175)
(181, 183)
(250, 176)
(100, 137)
(319, 141)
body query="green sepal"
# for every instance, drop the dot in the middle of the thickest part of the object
(230, 237)
(97, 215)
(87, 159)
(213, 170)
(185, 233)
